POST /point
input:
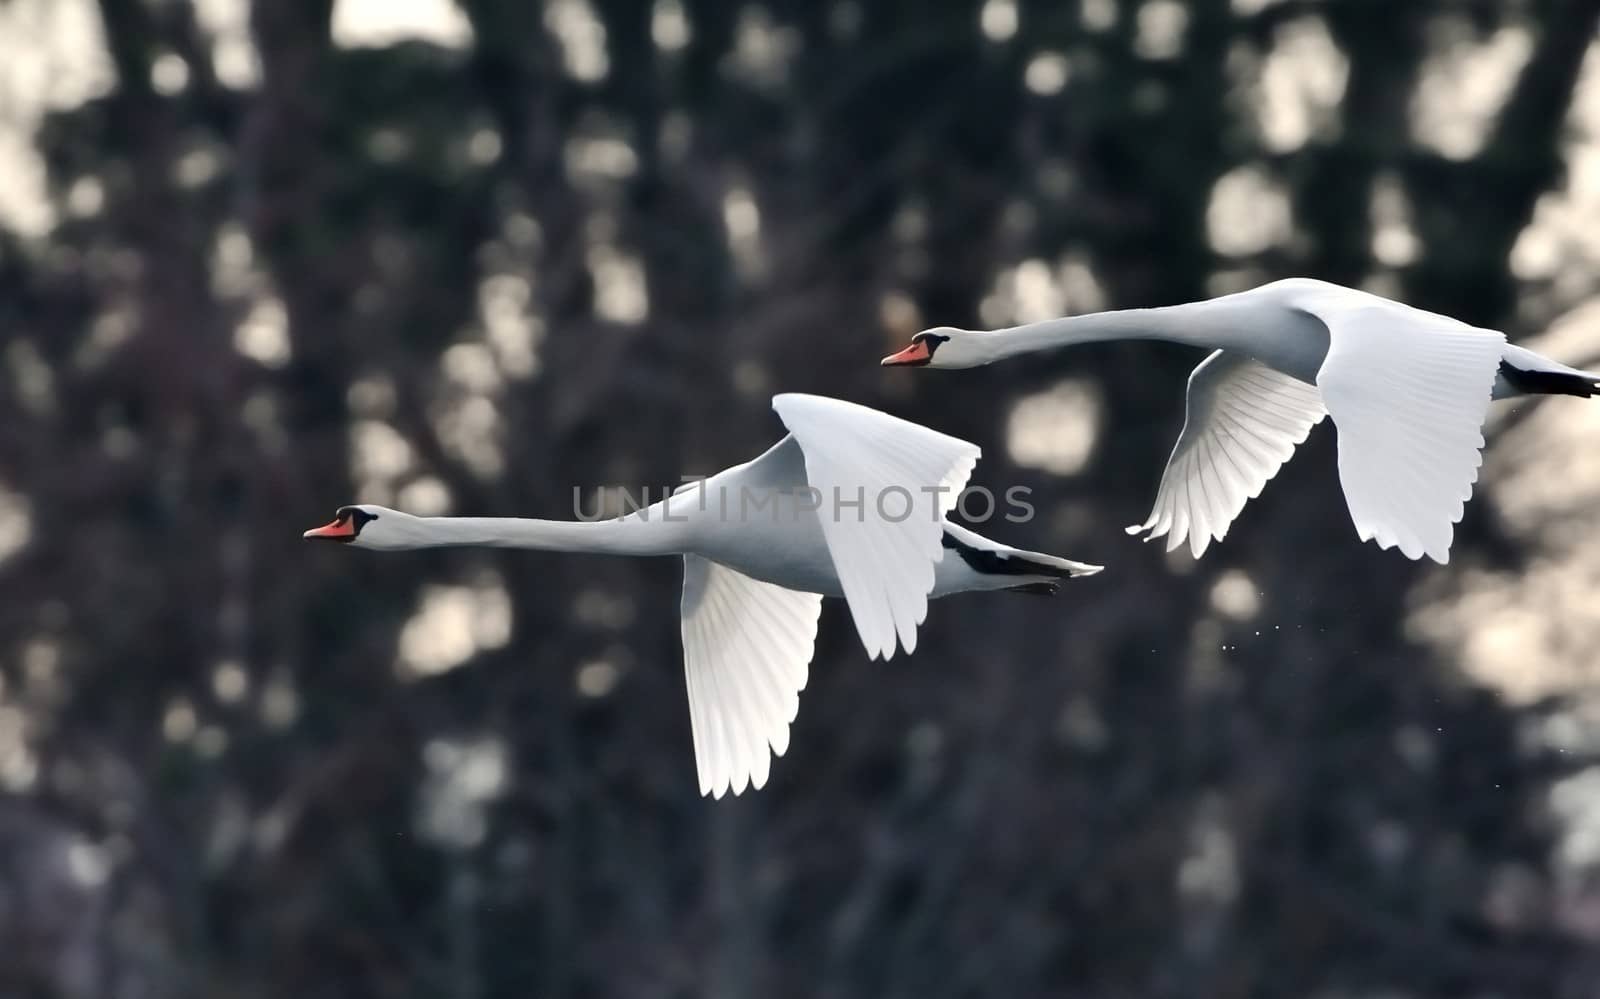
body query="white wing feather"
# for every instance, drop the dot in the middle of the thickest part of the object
(746, 649)
(1408, 392)
(885, 563)
(1243, 421)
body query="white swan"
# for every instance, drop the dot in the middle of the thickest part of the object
(1408, 391)
(851, 503)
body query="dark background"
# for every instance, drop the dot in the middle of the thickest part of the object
(278, 272)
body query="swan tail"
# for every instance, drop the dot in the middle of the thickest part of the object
(1035, 572)
(1039, 564)
(1546, 377)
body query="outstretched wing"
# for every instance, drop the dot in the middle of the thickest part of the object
(1408, 391)
(884, 486)
(1243, 421)
(746, 649)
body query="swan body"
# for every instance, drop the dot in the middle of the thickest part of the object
(763, 542)
(1407, 389)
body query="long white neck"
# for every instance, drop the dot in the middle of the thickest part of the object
(1196, 323)
(643, 533)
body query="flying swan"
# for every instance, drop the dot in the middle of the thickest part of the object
(850, 504)
(1408, 391)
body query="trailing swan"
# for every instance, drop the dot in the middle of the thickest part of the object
(1408, 391)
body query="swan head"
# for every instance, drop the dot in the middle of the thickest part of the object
(367, 526)
(941, 347)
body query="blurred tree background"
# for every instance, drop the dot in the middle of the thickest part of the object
(261, 259)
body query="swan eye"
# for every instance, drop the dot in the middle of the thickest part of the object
(358, 517)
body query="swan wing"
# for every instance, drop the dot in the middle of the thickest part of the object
(746, 649)
(1243, 420)
(1408, 391)
(883, 486)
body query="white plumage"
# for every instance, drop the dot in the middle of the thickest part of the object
(1244, 421)
(1407, 390)
(850, 505)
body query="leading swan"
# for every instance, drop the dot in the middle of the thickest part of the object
(850, 504)
(1408, 391)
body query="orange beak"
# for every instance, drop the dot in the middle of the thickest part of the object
(917, 353)
(342, 529)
